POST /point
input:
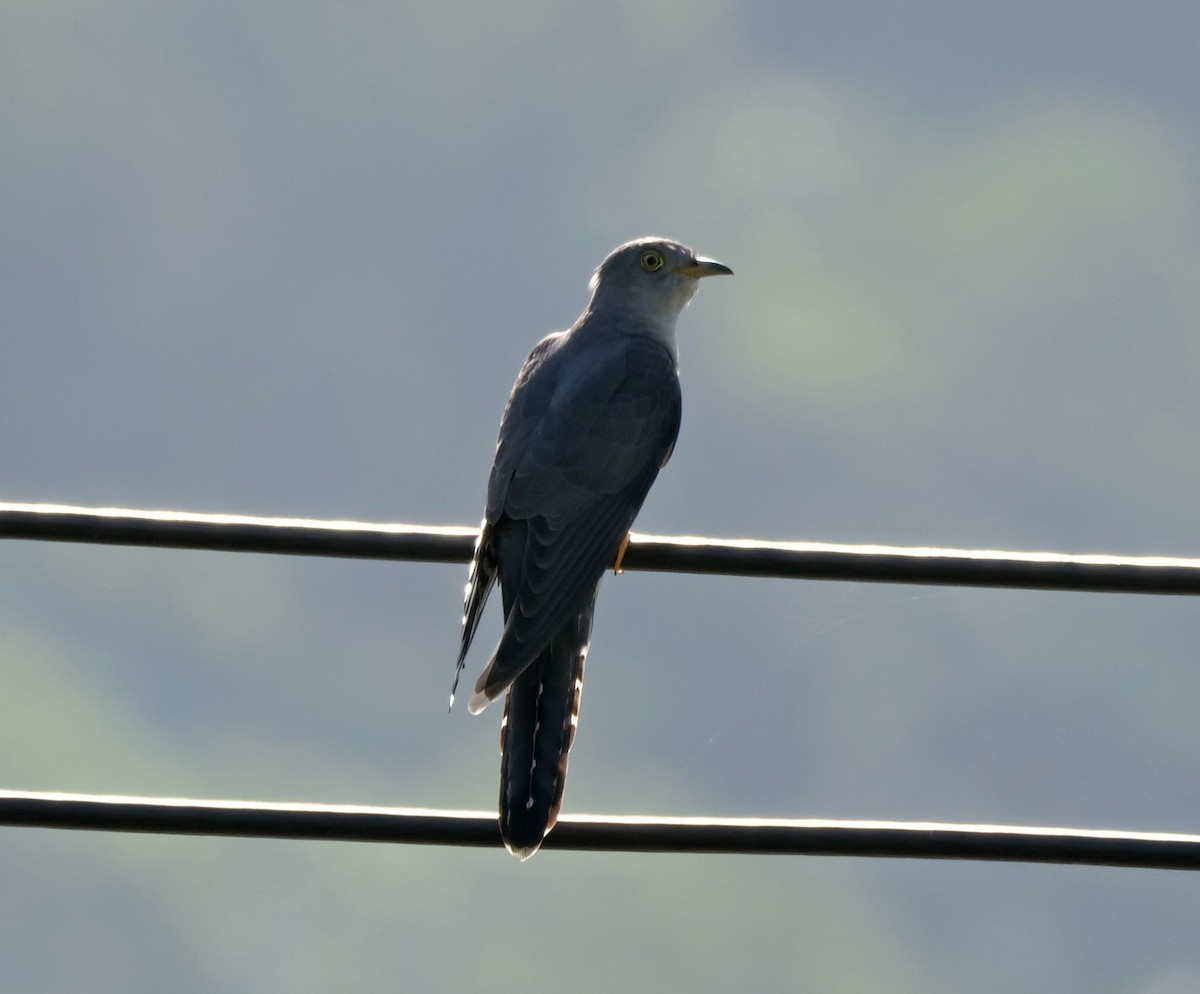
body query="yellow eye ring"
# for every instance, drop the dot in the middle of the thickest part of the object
(652, 262)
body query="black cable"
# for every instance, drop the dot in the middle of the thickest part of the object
(344, 823)
(174, 529)
(679, 554)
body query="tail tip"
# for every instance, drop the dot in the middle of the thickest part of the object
(524, 852)
(524, 836)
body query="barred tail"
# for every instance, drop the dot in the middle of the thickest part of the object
(541, 712)
(479, 584)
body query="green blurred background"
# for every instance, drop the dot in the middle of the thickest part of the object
(286, 258)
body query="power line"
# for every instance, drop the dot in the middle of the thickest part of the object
(814, 837)
(660, 553)
(688, 554)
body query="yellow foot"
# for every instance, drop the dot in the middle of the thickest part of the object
(617, 571)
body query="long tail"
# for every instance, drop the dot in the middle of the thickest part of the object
(541, 713)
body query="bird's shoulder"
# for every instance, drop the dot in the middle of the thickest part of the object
(540, 358)
(577, 369)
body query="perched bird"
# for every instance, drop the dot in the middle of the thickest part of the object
(591, 420)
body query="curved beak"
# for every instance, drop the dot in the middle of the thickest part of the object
(706, 267)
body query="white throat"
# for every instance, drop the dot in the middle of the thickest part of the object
(651, 311)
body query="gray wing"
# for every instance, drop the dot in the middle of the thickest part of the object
(583, 438)
(527, 403)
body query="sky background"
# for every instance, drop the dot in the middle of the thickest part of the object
(285, 259)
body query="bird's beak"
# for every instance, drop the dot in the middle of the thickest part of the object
(706, 267)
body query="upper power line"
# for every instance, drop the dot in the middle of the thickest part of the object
(663, 553)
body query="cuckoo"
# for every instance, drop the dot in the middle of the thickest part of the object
(591, 419)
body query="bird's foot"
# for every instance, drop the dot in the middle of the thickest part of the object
(617, 570)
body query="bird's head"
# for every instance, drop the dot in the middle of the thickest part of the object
(652, 277)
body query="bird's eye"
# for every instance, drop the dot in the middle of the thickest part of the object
(652, 262)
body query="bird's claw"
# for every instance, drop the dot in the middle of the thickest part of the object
(617, 569)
